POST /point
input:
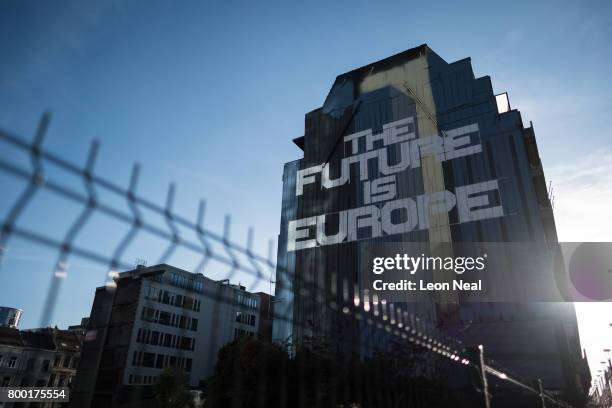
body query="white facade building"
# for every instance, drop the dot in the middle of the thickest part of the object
(157, 317)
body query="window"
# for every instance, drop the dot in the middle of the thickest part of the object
(159, 362)
(198, 286)
(57, 361)
(242, 333)
(185, 343)
(52, 380)
(6, 381)
(245, 318)
(75, 362)
(67, 361)
(188, 303)
(148, 314)
(136, 359)
(194, 324)
(148, 360)
(12, 362)
(45, 366)
(167, 340)
(188, 365)
(153, 293)
(61, 381)
(164, 318)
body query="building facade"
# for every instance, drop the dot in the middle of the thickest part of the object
(414, 149)
(45, 357)
(10, 316)
(157, 317)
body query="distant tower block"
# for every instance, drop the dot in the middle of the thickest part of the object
(10, 316)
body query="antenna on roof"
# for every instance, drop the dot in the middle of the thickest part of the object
(140, 263)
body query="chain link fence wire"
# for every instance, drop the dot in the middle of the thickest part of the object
(407, 338)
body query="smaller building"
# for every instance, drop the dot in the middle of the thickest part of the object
(46, 357)
(81, 327)
(10, 316)
(266, 309)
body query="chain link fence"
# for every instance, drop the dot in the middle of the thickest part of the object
(421, 359)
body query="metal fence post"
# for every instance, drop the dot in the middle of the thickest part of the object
(541, 390)
(483, 376)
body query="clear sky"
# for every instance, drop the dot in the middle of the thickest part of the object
(210, 94)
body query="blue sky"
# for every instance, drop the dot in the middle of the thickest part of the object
(209, 95)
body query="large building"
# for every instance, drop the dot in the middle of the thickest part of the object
(414, 149)
(156, 317)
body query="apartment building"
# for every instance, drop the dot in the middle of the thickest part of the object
(157, 317)
(46, 357)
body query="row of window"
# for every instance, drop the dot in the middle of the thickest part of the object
(150, 314)
(62, 380)
(245, 318)
(247, 301)
(142, 379)
(243, 333)
(54, 381)
(168, 298)
(182, 281)
(11, 362)
(67, 362)
(156, 338)
(153, 360)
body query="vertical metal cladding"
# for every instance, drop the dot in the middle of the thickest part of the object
(412, 148)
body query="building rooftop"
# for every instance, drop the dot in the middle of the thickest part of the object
(10, 336)
(42, 339)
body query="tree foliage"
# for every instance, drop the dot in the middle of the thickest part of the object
(252, 373)
(171, 390)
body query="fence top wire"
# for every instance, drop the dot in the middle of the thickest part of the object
(209, 246)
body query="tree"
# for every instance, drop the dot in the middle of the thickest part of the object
(249, 373)
(171, 390)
